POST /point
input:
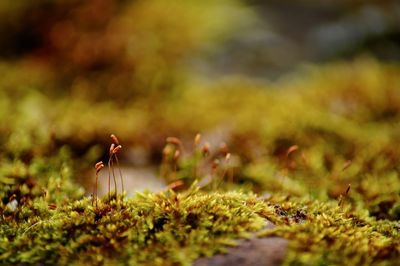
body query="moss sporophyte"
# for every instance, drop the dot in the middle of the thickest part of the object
(98, 168)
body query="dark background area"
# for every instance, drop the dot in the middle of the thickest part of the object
(88, 38)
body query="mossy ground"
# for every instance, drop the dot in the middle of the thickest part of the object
(339, 122)
(153, 229)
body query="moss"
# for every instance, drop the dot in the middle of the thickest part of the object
(323, 232)
(341, 117)
(165, 228)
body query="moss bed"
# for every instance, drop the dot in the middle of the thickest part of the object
(316, 154)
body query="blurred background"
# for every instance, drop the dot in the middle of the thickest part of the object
(258, 76)
(126, 48)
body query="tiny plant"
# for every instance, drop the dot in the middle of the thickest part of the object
(111, 171)
(342, 198)
(206, 149)
(176, 153)
(177, 142)
(209, 168)
(115, 152)
(115, 147)
(214, 169)
(227, 168)
(196, 143)
(98, 167)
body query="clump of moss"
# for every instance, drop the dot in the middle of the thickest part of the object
(48, 179)
(164, 228)
(323, 233)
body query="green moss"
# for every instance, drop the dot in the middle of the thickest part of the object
(164, 228)
(325, 233)
(342, 117)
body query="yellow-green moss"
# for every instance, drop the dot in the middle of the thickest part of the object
(164, 228)
(323, 233)
(342, 117)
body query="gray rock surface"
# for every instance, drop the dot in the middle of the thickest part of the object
(252, 252)
(135, 179)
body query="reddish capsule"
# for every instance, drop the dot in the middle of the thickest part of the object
(116, 149)
(206, 149)
(112, 146)
(98, 164)
(291, 149)
(176, 184)
(99, 167)
(173, 140)
(114, 139)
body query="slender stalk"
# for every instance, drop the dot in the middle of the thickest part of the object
(109, 179)
(115, 180)
(196, 143)
(120, 173)
(97, 178)
(214, 173)
(98, 168)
